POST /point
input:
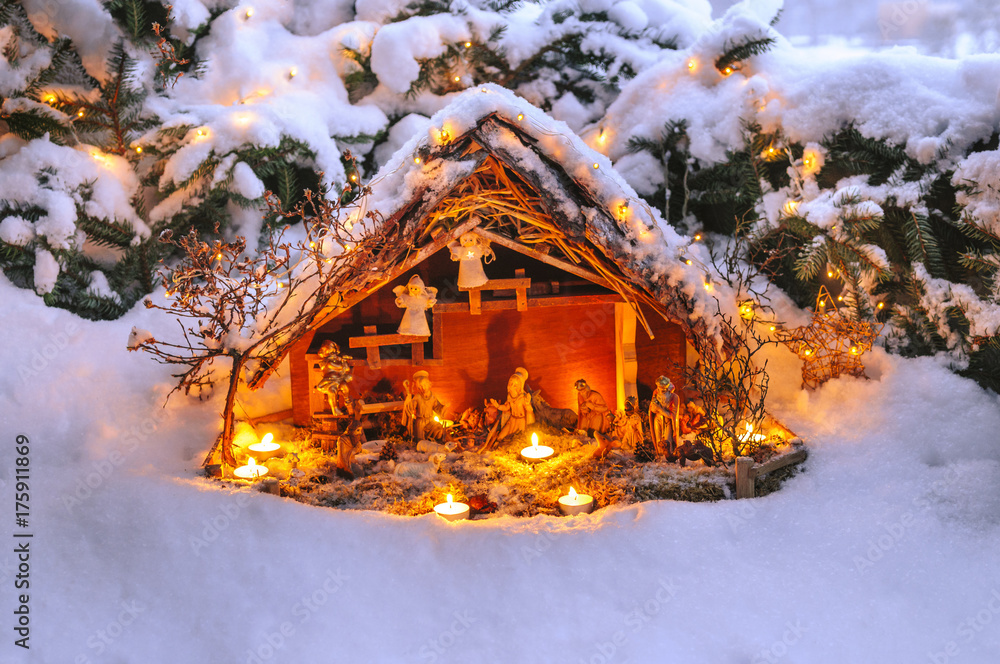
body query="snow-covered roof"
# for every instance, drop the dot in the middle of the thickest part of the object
(590, 203)
(578, 184)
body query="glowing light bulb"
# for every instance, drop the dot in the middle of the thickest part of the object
(293, 72)
(596, 165)
(50, 98)
(520, 116)
(354, 177)
(138, 149)
(692, 64)
(791, 207)
(444, 135)
(218, 257)
(697, 237)
(880, 305)
(601, 138)
(727, 71)
(416, 160)
(202, 132)
(467, 44)
(773, 328)
(457, 79)
(248, 13)
(687, 261)
(80, 113)
(829, 273)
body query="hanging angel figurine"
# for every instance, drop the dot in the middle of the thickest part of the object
(416, 299)
(471, 251)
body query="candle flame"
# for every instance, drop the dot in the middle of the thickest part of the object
(267, 438)
(436, 419)
(450, 499)
(572, 492)
(534, 440)
(252, 462)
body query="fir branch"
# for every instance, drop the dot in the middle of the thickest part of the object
(744, 50)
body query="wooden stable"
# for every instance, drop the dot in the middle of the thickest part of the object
(565, 299)
(557, 324)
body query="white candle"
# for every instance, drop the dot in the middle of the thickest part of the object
(452, 511)
(266, 448)
(251, 471)
(536, 452)
(576, 503)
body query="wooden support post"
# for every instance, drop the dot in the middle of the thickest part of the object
(417, 353)
(522, 292)
(374, 359)
(745, 476)
(626, 362)
(475, 302)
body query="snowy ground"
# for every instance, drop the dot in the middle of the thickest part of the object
(884, 550)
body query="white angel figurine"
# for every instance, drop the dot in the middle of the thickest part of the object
(415, 298)
(470, 251)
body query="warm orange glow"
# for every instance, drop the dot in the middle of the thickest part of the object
(572, 493)
(697, 237)
(457, 79)
(773, 328)
(880, 305)
(747, 310)
(249, 12)
(534, 440)
(354, 177)
(451, 499)
(692, 64)
(829, 273)
(468, 44)
(218, 257)
(416, 160)
(727, 71)
(80, 113)
(50, 98)
(596, 165)
(520, 116)
(791, 207)
(138, 149)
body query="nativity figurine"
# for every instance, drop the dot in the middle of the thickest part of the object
(515, 414)
(592, 410)
(471, 251)
(419, 410)
(415, 298)
(336, 370)
(664, 416)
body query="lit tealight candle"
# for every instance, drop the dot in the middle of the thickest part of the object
(452, 511)
(444, 423)
(266, 448)
(576, 503)
(251, 471)
(536, 452)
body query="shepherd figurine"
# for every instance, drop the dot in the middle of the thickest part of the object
(471, 251)
(416, 299)
(419, 410)
(664, 417)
